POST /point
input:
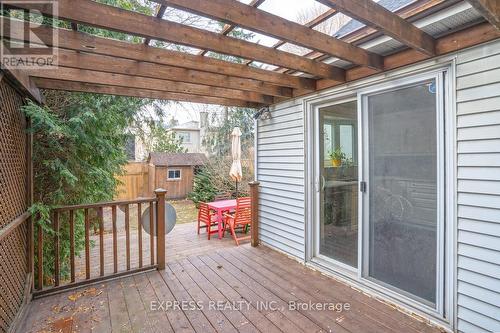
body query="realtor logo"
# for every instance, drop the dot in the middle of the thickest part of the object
(28, 40)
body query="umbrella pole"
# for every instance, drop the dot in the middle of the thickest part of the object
(236, 189)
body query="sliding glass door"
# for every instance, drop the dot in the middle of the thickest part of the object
(338, 178)
(379, 189)
(402, 158)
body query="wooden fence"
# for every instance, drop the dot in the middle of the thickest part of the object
(139, 179)
(134, 182)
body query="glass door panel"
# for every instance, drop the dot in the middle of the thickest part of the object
(338, 170)
(402, 169)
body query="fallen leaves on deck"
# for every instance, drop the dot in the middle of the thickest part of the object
(66, 317)
(63, 325)
(87, 292)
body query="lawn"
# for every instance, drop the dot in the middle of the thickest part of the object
(186, 211)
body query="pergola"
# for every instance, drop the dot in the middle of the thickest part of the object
(94, 64)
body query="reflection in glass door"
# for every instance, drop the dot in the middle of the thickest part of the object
(402, 173)
(338, 175)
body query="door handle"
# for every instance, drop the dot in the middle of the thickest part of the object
(362, 186)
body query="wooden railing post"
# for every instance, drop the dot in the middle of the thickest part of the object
(160, 228)
(254, 194)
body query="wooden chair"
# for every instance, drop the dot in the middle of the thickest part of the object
(222, 196)
(241, 218)
(208, 218)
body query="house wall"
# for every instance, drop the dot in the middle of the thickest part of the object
(281, 163)
(478, 146)
(176, 189)
(194, 145)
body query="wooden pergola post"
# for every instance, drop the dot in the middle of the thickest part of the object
(254, 194)
(160, 228)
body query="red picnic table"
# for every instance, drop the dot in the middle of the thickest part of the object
(220, 207)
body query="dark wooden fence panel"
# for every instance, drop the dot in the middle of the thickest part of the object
(13, 204)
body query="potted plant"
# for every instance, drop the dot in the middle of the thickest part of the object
(337, 156)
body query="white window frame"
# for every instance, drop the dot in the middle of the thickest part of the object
(363, 202)
(445, 312)
(181, 135)
(316, 256)
(174, 170)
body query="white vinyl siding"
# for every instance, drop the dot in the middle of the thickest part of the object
(280, 170)
(478, 184)
(280, 149)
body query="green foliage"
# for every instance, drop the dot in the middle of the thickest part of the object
(217, 140)
(79, 142)
(168, 142)
(161, 140)
(213, 179)
(78, 148)
(203, 188)
(337, 154)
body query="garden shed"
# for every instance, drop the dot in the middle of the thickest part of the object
(174, 172)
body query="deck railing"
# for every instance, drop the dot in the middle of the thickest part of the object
(95, 212)
(156, 222)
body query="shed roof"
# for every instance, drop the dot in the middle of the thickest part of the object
(177, 159)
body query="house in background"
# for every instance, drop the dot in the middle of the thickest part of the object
(174, 172)
(191, 133)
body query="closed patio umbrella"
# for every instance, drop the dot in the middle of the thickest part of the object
(235, 171)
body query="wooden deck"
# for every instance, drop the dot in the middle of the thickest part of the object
(218, 287)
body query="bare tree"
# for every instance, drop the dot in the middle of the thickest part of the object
(328, 27)
(193, 20)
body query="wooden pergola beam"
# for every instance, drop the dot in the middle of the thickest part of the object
(311, 24)
(21, 80)
(490, 9)
(376, 16)
(140, 93)
(102, 63)
(79, 41)
(408, 12)
(160, 11)
(229, 27)
(107, 17)
(23, 83)
(89, 61)
(237, 13)
(95, 77)
(478, 34)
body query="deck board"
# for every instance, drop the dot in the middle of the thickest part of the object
(359, 321)
(259, 282)
(119, 316)
(333, 288)
(178, 319)
(158, 319)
